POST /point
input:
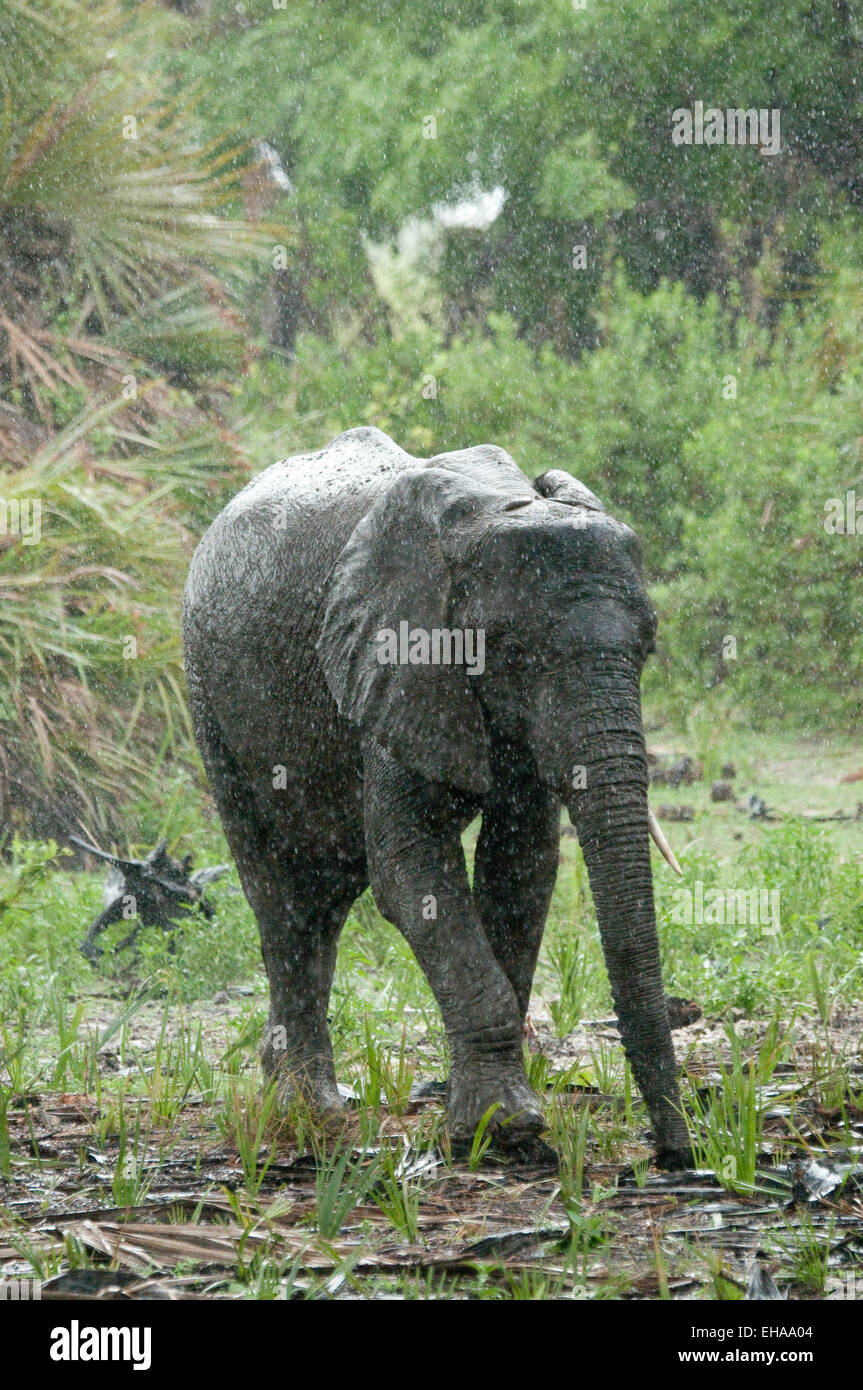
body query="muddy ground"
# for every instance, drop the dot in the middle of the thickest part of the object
(639, 1233)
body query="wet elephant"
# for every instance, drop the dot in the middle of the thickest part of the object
(378, 649)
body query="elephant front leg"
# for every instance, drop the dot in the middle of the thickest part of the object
(420, 883)
(514, 875)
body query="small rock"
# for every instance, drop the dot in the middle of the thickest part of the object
(676, 772)
(722, 791)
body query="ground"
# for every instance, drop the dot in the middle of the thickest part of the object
(137, 1149)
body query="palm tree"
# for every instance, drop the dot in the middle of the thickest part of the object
(121, 257)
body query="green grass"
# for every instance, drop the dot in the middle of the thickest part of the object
(162, 1046)
(726, 1126)
(342, 1183)
(398, 1196)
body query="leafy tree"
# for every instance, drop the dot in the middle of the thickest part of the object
(547, 101)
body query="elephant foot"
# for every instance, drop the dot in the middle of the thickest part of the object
(515, 1126)
(305, 1079)
(316, 1093)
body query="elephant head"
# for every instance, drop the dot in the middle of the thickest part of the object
(466, 544)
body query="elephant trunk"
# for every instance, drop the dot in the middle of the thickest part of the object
(610, 813)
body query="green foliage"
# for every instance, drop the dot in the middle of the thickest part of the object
(398, 1196)
(761, 564)
(571, 968)
(813, 955)
(542, 99)
(113, 202)
(248, 1119)
(482, 1138)
(342, 1183)
(726, 1126)
(121, 260)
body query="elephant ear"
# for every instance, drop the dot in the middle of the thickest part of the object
(558, 486)
(393, 571)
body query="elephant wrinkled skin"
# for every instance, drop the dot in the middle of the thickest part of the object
(344, 748)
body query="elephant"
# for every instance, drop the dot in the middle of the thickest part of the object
(378, 649)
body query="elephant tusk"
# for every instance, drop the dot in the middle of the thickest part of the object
(661, 843)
